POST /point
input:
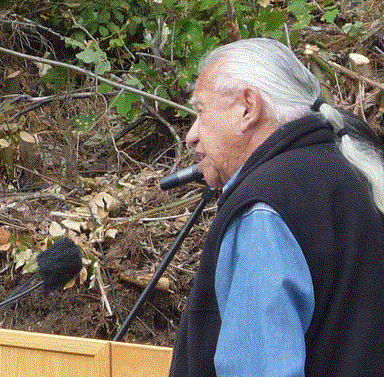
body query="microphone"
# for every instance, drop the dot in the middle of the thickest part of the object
(182, 177)
(58, 265)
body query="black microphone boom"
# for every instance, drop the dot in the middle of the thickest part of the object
(58, 265)
(181, 177)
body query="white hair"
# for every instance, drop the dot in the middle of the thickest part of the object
(289, 90)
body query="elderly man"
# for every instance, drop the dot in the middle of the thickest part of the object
(291, 279)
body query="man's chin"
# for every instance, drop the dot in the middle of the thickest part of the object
(212, 178)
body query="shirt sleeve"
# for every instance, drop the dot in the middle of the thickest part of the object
(265, 296)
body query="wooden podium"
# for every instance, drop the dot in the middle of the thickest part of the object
(25, 354)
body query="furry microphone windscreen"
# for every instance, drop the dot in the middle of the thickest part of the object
(59, 264)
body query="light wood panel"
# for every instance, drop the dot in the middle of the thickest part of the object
(133, 360)
(25, 354)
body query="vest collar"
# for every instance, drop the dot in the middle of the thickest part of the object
(308, 130)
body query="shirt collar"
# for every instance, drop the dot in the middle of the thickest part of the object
(231, 180)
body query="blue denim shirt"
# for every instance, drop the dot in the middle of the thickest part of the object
(265, 297)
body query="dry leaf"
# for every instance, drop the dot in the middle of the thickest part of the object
(264, 3)
(83, 275)
(55, 230)
(311, 49)
(5, 247)
(74, 225)
(4, 236)
(112, 232)
(105, 201)
(70, 284)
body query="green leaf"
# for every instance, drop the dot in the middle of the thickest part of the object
(208, 4)
(83, 122)
(353, 30)
(182, 113)
(74, 43)
(104, 88)
(123, 102)
(272, 19)
(302, 11)
(116, 42)
(104, 32)
(135, 82)
(88, 56)
(330, 15)
(102, 66)
(161, 92)
(169, 3)
(119, 16)
(57, 76)
(112, 27)
(104, 17)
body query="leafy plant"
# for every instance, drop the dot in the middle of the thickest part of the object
(92, 54)
(353, 30)
(330, 14)
(158, 44)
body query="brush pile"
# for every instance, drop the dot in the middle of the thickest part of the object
(72, 165)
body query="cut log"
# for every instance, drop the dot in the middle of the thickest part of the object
(142, 279)
(360, 64)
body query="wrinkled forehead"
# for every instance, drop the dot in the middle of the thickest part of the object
(206, 82)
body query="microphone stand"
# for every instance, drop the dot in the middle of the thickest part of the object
(206, 196)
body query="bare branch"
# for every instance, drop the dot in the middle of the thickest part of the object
(86, 72)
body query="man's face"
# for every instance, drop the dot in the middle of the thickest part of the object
(216, 134)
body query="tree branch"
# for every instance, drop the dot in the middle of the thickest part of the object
(86, 72)
(354, 75)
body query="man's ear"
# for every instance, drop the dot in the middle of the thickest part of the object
(252, 108)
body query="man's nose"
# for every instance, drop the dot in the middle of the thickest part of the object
(192, 137)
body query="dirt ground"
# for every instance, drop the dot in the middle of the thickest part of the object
(80, 310)
(115, 212)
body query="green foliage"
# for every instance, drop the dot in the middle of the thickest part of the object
(302, 11)
(123, 103)
(83, 122)
(270, 22)
(158, 44)
(330, 14)
(58, 77)
(100, 18)
(94, 55)
(353, 30)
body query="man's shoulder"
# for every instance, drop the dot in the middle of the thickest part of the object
(260, 207)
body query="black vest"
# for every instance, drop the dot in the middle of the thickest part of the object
(300, 172)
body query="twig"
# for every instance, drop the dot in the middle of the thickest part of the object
(323, 65)
(179, 144)
(104, 298)
(40, 101)
(34, 30)
(153, 57)
(172, 217)
(77, 25)
(109, 277)
(287, 35)
(146, 215)
(354, 75)
(86, 72)
(163, 315)
(21, 197)
(45, 178)
(131, 126)
(6, 220)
